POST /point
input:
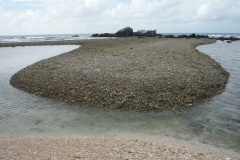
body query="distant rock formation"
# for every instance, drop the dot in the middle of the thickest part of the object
(104, 35)
(192, 35)
(228, 39)
(75, 36)
(128, 31)
(169, 36)
(125, 32)
(185, 36)
(147, 33)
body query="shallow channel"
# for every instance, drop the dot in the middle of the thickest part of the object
(216, 122)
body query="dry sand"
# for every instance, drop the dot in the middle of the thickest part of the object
(103, 148)
(128, 74)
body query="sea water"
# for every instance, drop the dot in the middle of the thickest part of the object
(65, 37)
(41, 38)
(216, 122)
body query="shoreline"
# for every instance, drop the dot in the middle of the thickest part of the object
(107, 148)
(51, 43)
(126, 73)
(43, 43)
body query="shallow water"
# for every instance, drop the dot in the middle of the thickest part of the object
(22, 114)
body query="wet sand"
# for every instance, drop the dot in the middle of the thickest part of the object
(127, 74)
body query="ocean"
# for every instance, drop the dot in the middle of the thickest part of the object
(65, 37)
(211, 35)
(40, 38)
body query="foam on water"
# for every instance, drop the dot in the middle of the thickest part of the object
(39, 38)
(211, 35)
(226, 35)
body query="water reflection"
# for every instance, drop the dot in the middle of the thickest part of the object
(21, 114)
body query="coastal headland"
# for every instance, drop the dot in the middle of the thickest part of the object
(127, 73)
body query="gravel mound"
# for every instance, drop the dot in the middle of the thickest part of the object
(127, 73)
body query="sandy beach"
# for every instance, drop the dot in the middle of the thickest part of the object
(105, 148)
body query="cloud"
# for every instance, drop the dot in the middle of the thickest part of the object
(88, 16)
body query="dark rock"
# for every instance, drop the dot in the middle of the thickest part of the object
(186, 36)
(169, 36)
(159, 35)
(220, 38)
(95, 35)
(104, 35)
(125, 32)
(229, 41)
(75, 36)
(148, 33)
(107, 35)
(202, 36)
(233, 39)
(192, 36)
(182, 36)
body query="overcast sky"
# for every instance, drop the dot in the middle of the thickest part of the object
(19, 17)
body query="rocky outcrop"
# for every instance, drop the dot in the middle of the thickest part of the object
(202, 36)
(184, 36)
(192, 35)
(125, 32)
(104, 35)
(169, 36)
(228, 39)
(128, 31)
(75, 36)
(95, 35)
(147, 33)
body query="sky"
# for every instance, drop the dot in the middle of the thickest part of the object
(26, 17)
